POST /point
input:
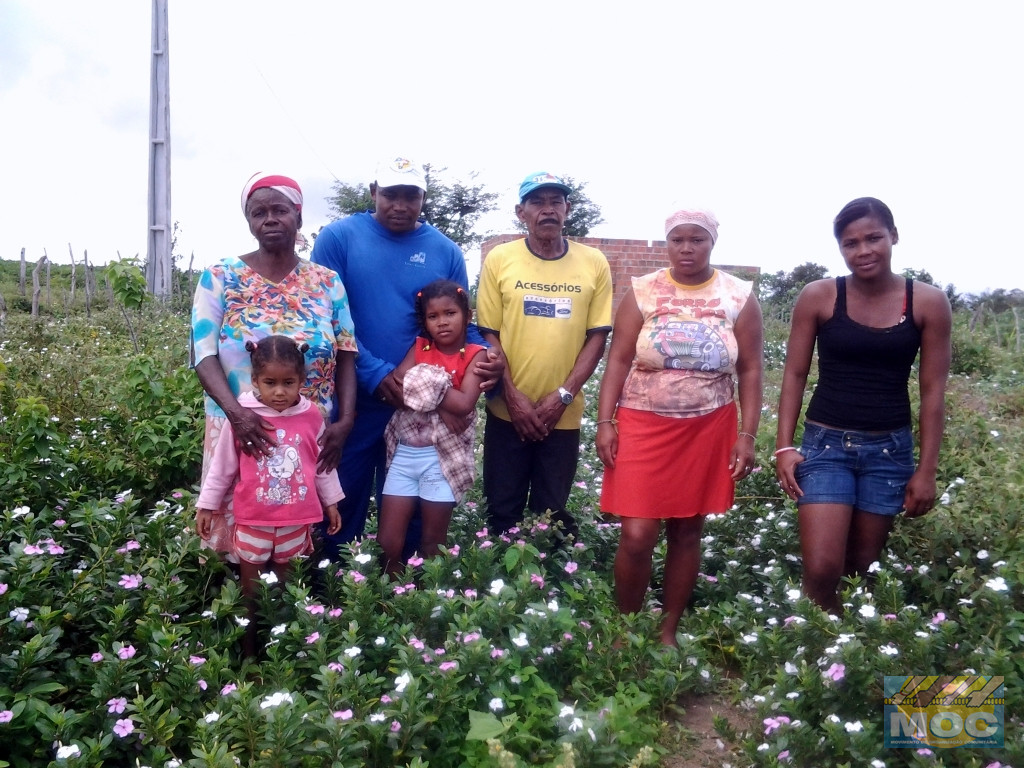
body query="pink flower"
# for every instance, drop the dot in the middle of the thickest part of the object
(124, 727)
(130, 581)
(126, 652)
(416, 643)
(497, 653)
(395, 726)
(96, 657)
(571, 567)
(486, 544)
(343, 714)
(567, 635)
(889, 616)
(176, 495)
(585, 624)
(59, 523)
(55, 549)
(357, 576)
(925, 752)
(454, 551)
(310, 639)
(202, 685)
(335, 667)
(938, 618)
(197, 661)
(470, 593)
(32, 549)
(3, 589)
(116, 706)
(447, 666)
(315, 609)
(482, 533)
(774, 723)
(334, 613)
(536, 578)
(470, 637)
(712, 579)
(399, 589)
(385, 699)
(836, 672)
(415, 561)
(228, 689)
(428, 659)
(784, 755)
(6, 716)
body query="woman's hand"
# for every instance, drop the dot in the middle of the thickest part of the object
(741, 459)
(390, 390)
(331, 443)
(607, 443)
(785, 471)
(919, 497)
(252, 432)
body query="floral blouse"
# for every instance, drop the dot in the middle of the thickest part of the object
(234, 303)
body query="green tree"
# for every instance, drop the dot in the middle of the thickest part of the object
(584, 215)
(453, 207)
(782, 288)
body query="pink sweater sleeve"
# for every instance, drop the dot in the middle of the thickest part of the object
(223, 472)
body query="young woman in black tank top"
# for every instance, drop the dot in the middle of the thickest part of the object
(854, 471)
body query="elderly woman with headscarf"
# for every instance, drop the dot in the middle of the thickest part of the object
(266, 292)
(667, 419)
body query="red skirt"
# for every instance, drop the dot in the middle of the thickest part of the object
(669, 467)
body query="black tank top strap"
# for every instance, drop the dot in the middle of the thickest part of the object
(908, 301)
(840, 308)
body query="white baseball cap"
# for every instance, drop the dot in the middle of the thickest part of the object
(401, 172)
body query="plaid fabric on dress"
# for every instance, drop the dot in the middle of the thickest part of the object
(423, 389)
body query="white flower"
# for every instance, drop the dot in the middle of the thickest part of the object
(751, 638)
(889, 649)
(279, 629)
(832, 719)
(553, 606)
(763, 747)
(496, 586)
(380, 640)
(269, 577)
(983, 554)
(21, 512)
(791, 668)
(354, 651)
(793, 695)
(868, 611)
(71, 750)
(520, 640)
(875, 567)
(792, 595)
(876, 763)
(276, 700)
(923, 569)
(213, 717)
(853, 727)
(402, 681)
(325, 563)
(575, 725)
(705, 675)
(377, 718)
(567, 711)
(994, 432)
(515, 679)
(496, 705)
(363, 558)
(19, 614)
(998, 584)
(945, 498)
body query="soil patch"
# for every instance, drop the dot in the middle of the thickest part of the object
(696, 743)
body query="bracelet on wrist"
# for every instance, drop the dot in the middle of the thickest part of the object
(784, 449)
(747, 434)
(613, 422)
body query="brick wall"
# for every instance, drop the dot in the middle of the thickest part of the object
(627, 258)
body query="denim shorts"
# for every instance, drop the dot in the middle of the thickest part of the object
(866, 470)
(417, 472)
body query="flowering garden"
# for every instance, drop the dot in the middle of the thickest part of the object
(119, 638)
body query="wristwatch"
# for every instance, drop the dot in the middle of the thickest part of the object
(566, 395)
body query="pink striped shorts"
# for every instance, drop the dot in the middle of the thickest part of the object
(259, 543)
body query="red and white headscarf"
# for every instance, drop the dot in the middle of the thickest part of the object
(699, 216)
(286, 186)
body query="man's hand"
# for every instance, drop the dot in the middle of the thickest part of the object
(523, 413)
(549, 410)
(390, 390)
(456, 424)
(331, 442)
(490, 369)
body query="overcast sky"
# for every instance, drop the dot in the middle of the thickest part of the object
(772, 114)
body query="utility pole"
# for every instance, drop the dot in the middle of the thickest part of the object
(158, 250)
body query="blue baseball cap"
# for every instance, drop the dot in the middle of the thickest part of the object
(535, 181)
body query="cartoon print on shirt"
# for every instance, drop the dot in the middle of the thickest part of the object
(690, 346)
(280, 475)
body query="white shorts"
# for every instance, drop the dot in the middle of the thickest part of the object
(417, 472)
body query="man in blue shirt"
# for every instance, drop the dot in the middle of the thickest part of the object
(384, 258)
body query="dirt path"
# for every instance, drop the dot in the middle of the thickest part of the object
(695, 743)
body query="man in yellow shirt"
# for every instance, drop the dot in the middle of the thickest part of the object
(547, 302)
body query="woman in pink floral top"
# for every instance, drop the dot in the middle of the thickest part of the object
(266, 292)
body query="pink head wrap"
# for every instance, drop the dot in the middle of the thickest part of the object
(699, 216)
(286, 186)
